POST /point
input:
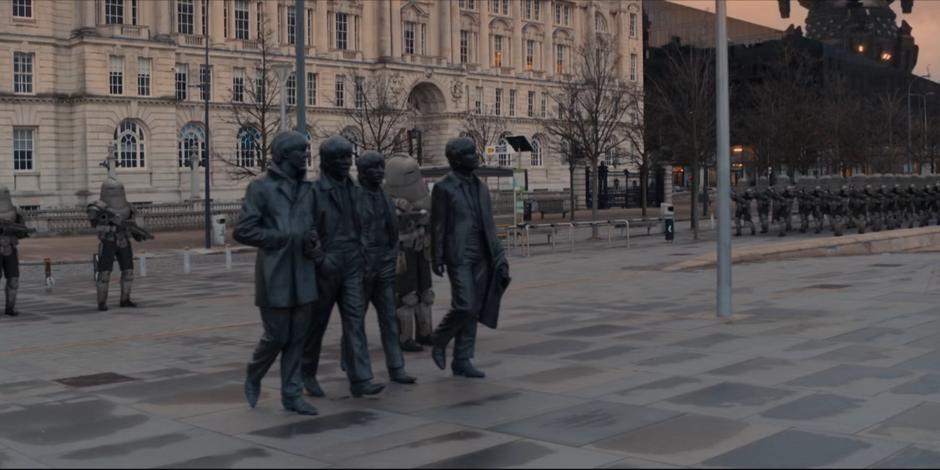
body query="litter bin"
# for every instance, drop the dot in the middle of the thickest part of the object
(218, 230)
(668, 213)
(527, 211)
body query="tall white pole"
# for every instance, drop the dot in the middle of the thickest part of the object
(724, 162)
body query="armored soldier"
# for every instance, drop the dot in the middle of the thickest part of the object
(838, 202)
(412, 199)
(11, 231)
(901, 204)
(764, 202)
(857, 206)
(113, 218)
(742, 207)
(820, 205)
(782, 195)
(933, 202)
(887, 203)
(872, 206)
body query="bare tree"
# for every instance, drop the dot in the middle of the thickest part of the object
(639, 151)
(683, 94)
(255, 109)
(484, 129)
(380, 114)
(593, 110)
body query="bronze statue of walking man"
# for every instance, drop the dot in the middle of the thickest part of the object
(464, 243)
(277, 218)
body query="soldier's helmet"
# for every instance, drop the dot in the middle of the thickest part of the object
(112, 194)
(403, 180)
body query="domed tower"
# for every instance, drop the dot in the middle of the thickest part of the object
(866, 27)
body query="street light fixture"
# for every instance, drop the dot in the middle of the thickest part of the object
(282, 69)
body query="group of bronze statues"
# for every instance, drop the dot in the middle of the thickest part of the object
(877, 202)
(333, 242)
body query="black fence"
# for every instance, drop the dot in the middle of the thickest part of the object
(622, 188)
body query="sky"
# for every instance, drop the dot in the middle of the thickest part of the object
(924, 19)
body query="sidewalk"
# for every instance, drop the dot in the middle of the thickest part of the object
(80, 248)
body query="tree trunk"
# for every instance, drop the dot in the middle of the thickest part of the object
(644, 183)
(571, 195)
(595, 186)
(695, 201)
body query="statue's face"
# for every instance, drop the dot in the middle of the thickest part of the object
(372, 172)
(296, 158)
(462, 155)
(336, 157)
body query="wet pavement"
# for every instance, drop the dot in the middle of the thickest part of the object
(601, 360)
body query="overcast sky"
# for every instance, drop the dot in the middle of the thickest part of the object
(925, 21)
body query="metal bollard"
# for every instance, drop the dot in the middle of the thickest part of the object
(50, 281)
(143, 266)
(187, 266)
(228, 257)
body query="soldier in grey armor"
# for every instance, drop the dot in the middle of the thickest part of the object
(11, 230)
(412, 199)
(805, 202)
(782, 194)
(872, 205)
(742, 206)
(820, 204)
(857, 203)
(113, 218)
(764, 201)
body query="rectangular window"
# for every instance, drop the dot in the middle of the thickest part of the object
(291, 86)
(238, 85)
(538, 10)
(311, 89)
(464, 46)
(633, 66)
(409, 32)
(259, 20)
(498, 103)
(567, 18)
(22, 8)
(23, 72)
(528, 9)
(23, 145)
(340, 91)
(291, 24)
(494, 6)
(512, 103)
(260, 84)
(205, 82)
(309, 30)
(529, 54)
(204, 8)
(184, 16)
(544, 110)
(241, 19)
(342, 31)
(497, 51)
(143, 76)
(478, 102)
(134, 12)
(559, 59)
(506, 7)
(225, 19)
(182, 81)
(530, 106)
(360, 94)
(633, 18)
(116, 76)
(114, 11)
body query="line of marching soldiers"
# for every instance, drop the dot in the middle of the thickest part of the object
(877, 202)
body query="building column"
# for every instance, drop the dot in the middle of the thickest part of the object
(396, 36)
(163, 11)
(548, 52)
(89, 14)
(517, 51)
(382, 32)
(485, 56)
(216, 20)
(454, 30)
(444, 28)
(323, 29)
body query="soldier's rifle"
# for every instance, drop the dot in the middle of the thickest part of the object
(106, 216)
(15, 229)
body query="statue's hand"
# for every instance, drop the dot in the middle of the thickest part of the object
(438, 270)
(312, 245)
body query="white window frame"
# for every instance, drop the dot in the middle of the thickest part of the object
(205, 82)
(530, 54)
(116, 75)
(248, 156)
(181, 92)
(312, 79)
(242, 19)
(560, 58)
(633, 25)
(23, 79)
(185, 17)
(339, 91)
(498, 102)
(512, 103)
(238, 85)
(114, 11)
(291, 24)
(23, 7)
(535, 157)
(359, 100)
(342, 31)
(409, 33)
(290, 84)
(497, 50)
(24, 149)
(530, 104)
(144, 73)
(503, 156)
(191, 142)
(633, 66)
(478, 101)
(129, 145)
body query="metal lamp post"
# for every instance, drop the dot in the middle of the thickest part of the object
(723, 166)
(281, 70)
(924, 96)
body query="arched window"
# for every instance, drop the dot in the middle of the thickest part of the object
(536, 154)
(503, 157)
(248, 147)
(191, 145)
(129, 148)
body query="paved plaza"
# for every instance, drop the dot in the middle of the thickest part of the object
(601, 359)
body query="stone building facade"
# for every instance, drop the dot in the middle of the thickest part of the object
(79, 79)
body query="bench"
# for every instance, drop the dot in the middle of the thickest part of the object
(551, 206)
